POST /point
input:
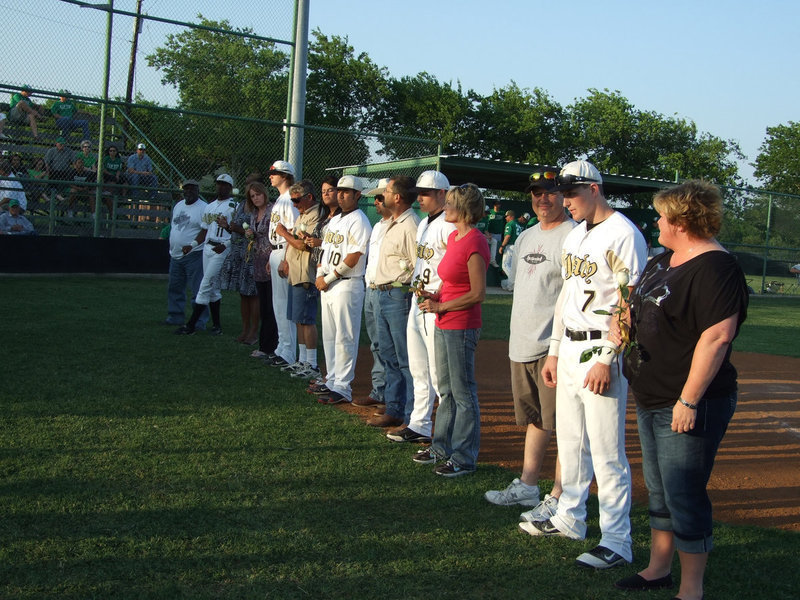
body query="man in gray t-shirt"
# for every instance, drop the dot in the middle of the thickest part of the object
(537, 281)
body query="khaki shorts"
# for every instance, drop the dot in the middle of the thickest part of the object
(534, 402)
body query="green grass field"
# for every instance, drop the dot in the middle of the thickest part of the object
(139, 464)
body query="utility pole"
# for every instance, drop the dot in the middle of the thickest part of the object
(137, 26)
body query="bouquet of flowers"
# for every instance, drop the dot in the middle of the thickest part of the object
(619, 312)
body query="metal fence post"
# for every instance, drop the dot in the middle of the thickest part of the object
(98, 192)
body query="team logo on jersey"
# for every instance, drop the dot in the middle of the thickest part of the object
(534, 258)
(334, 237)
(575, 266)
(275, 217)
(425, 252)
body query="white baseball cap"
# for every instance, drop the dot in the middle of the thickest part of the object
(578, 172)
(382, 183)
(281, 166)
(350, 182)
(432, 180)
(526, 216)
(141, 147)
(225, 178)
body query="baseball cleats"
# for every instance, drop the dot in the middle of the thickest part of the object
(332, 398)
(408, 435)
(541, 512)
(307, 372)
(600, 558)
(540, 528)
(184, 330)
(516, 493)
(318, 389)
(277, 362)
(293, 367)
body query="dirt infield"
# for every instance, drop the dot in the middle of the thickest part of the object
(756, 479)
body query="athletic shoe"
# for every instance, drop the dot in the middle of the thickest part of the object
(277, 362)
(258, 354)
(541, 528)
(332, 398)
(516, 493)
(638, 583)
(408, 435)
(541, 512)
(308, 372)
(425, 456)
(296, 366)
(599, 558)
(184, 330)
(317, 388)
(451, 469)
(216, 330)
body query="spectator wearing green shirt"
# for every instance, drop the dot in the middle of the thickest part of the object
(23, 108)
(64, 111)
(87, 156)
(511, 232)
(495, 229)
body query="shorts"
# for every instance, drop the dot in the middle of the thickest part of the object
(16, 115)
(534, 402)
(302, 305)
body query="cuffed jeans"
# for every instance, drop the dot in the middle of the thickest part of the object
(677, 467)
(371, 310)
(457, 432)
(393, 349)
(187, 270)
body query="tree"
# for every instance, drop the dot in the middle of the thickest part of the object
(778, 161)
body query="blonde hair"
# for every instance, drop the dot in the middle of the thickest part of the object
(695, 205)
(468, 202)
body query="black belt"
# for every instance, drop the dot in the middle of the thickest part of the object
(384, 287)
(582, 336)
(215, 244)
(277, 247)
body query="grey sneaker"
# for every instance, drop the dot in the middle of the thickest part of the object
(296, 366)
(516, 493)
(425, 456)
(307, 372)
(600, 558)
(541, 512)
(542, 528)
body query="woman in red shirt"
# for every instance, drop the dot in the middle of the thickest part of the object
(457, 432)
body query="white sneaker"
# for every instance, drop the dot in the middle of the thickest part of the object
(516, 493)
(541, 512)
(297, 366)
(307, 372)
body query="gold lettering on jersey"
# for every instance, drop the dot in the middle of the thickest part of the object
(334, 237)
(425, 252)
(275, 217)
(579, 267)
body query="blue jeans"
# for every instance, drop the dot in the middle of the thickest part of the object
(67, 124)
(144, 181)
(186, 271)
(393, 349)
(677, 467)
(457, 429)
(371, 310)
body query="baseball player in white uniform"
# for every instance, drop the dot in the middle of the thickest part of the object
(340, 278)
(216, 233)
(281, 177)
(432, 234)
(591, 395)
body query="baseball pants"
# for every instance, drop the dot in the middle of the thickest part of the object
(590, 429)
(212, 265)
(422, 364)
(341, 306)
(287, 331)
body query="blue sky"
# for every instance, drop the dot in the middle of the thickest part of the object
(730, 66)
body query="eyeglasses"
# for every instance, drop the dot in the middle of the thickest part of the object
(574, 180)
(543, 175)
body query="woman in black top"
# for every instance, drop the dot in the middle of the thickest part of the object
(685, 312)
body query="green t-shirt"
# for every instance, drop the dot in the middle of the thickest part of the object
(63, 109)
(113, 165)
(497, 221)
(512, 229)
(483, 224)
(532, 222)
(89, 160)
(16, 99)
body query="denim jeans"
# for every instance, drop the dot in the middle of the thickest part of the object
(393, 349)
(677, 467)
(144, 181)
(457, 430)
(67, 124)
(371, 310)
(187, 271)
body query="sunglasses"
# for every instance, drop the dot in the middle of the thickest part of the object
(543, 175)
(574, 180)
(299, 199)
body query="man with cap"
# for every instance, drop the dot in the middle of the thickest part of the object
(64, 111)
(495, 227)
(10, 189)
(523, 221)
(432, 234)
(340, 279)
(537, 283)
(185, 268)
(371, 307)
(141, 172)
(13, 223)
(511, 232)
(21, 108)
(393, 277)
(216, 233)
(281, 177)
(602, 250)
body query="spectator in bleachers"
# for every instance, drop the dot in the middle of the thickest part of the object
(23, 109)
(64, 111)
(3, 120)
(38, 170)
(10, 189)
(113, 168)
(17, 170)
(78, 190)
(13, 223)
(88, 157)
(58, 161)
(141, 171)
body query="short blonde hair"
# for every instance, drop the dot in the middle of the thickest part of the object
(468, 202)
(695, 205)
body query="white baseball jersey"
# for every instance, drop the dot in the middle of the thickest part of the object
(432, 237)
(218, 208)
(590, 260)
(346, 234)
(284, 212)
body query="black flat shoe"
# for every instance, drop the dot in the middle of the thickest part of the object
(637, 582)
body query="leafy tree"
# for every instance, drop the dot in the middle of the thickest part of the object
(778, 161)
